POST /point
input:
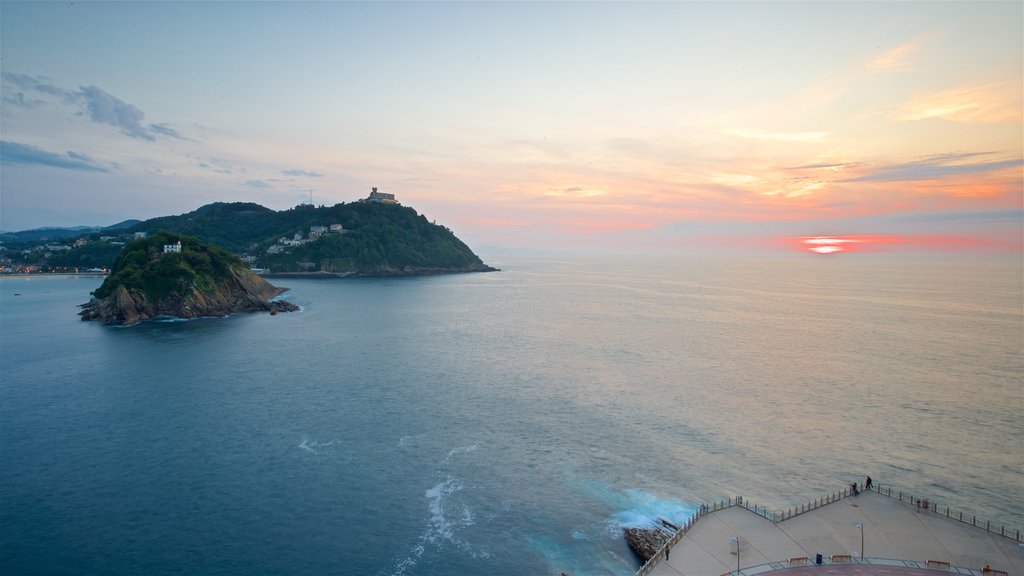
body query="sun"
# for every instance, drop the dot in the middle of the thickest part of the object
(828, 244)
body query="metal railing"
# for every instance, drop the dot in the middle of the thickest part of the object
(929, 505)
(761, 568)
(775, 517)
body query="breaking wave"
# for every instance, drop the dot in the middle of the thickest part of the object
(315, 446)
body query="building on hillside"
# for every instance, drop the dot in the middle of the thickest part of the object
(175, 248)
(380, 197)
(80, 242)
(140, 235)
(317, 231)
(337, 228)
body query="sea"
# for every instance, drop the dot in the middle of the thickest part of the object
(505, 424)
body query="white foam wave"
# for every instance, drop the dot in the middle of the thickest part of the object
(456, 451)
(448, 517)
(639, 508)
(314, 446)
(409, 441)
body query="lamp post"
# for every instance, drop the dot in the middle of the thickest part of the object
(737, 541)
(861, 528)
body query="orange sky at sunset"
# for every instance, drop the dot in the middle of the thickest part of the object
(583, 126)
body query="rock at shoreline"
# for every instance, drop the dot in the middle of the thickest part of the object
(645, 542)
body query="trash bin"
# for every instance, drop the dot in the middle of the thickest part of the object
(817, 559)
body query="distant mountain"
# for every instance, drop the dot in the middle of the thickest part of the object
(42, 234)
(122, 225)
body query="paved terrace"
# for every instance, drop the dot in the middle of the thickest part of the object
(893, 528)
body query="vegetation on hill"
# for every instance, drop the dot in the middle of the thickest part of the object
(360, 238)
(235, 226)
(90, 255)
(376, 238)
(144, 267)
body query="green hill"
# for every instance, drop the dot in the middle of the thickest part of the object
(189, 280)
(373, 239)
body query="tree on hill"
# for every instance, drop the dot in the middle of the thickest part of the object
(144, 266)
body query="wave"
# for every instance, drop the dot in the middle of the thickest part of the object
(637, 508)
(169, 319)
(448, 517)
(410, 440)
(643, 509)
(314, 446)
(457, 451)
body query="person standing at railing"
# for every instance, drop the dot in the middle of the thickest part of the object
(867, 483)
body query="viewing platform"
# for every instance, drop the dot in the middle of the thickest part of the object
(878, 532)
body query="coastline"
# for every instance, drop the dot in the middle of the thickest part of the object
(382, 274)
(56, 274)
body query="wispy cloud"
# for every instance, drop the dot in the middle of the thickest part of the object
(305, 173)
(39, 84)
(16, 153)
(824, 166)
(892, 59)
(934, 167)
(165, 129)
(808, 137)
(257, 184)
(93, 102)
(987, 103)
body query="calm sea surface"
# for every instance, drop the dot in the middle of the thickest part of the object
(505, 424)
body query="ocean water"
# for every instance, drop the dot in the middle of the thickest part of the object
(506, 423)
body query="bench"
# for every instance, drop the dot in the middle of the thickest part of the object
(798, 560)
(841, 558)
(938, 564)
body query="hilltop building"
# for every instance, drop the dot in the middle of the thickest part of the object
(175, 248)
(380, 197)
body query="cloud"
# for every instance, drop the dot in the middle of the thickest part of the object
(297, 172)
(257, 184)
(810, 137)
(93, 102)
(165, 130)
(37, 84)
(105, 108)
(18, 99)
(824, 166)
(15, 153)
(892, 59)
(985, 104)
(934, 167)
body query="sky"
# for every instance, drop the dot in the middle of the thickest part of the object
(650, 126)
